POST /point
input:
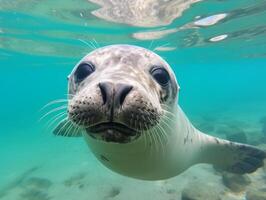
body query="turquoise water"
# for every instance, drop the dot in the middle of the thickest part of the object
(216, 48)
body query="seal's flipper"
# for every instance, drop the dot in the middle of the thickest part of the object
(233, 157)
(67, 129)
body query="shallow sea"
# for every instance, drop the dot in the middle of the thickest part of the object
(217, 49)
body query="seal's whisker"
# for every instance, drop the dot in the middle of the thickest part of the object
(67, 124)
(152, 142)
(52, 111)
(156, 141)
(71, 126)
(168, 118)
(74, 130)
(164, 134)
(157, 135)
(167, 106)
(75, 117)
(69, 131)
(54, 102)
(91, 42)
(61, 126)
(96, 43)
(154, 132)
(74, 126)
(145, 133)
(77, 128)
(163, 138)
(145, 140)
(151, 133)
(148, 138)
(150, 46)
(161, 130)
(161, 46)
(54, 119)
(168, 112)
(142, 132)
(153, 137)
(170, 121)
(69, 95)
(86, 43)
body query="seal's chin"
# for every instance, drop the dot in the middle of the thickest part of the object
(113, 132)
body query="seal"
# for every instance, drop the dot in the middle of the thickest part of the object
(123, 100)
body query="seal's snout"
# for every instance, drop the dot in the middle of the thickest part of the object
(113, 111)
(114, 94)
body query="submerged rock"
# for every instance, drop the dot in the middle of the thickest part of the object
(115, 191)
(235, 182)
(39, 183)
(256, 194)
(76, 180)
(34, 194)
(199, 191)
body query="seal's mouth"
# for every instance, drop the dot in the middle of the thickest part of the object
(113, 126)
(112, 132)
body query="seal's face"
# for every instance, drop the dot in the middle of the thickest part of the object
(117, 92)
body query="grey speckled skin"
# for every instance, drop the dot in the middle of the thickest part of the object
(122, 64)
(167, 143)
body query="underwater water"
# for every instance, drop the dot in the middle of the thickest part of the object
(216, 48)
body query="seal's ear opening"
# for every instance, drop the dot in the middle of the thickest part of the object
(67, 129)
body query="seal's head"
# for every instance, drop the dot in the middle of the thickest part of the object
(118, 92)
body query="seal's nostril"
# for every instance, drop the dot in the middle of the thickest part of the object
(122, 90)
(103, 89)
(114, 94)
(106, 91)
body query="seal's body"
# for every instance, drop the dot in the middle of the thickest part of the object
(123, 101)
(153, 158)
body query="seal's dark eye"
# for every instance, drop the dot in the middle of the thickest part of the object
(83, 70)
(160, 75)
